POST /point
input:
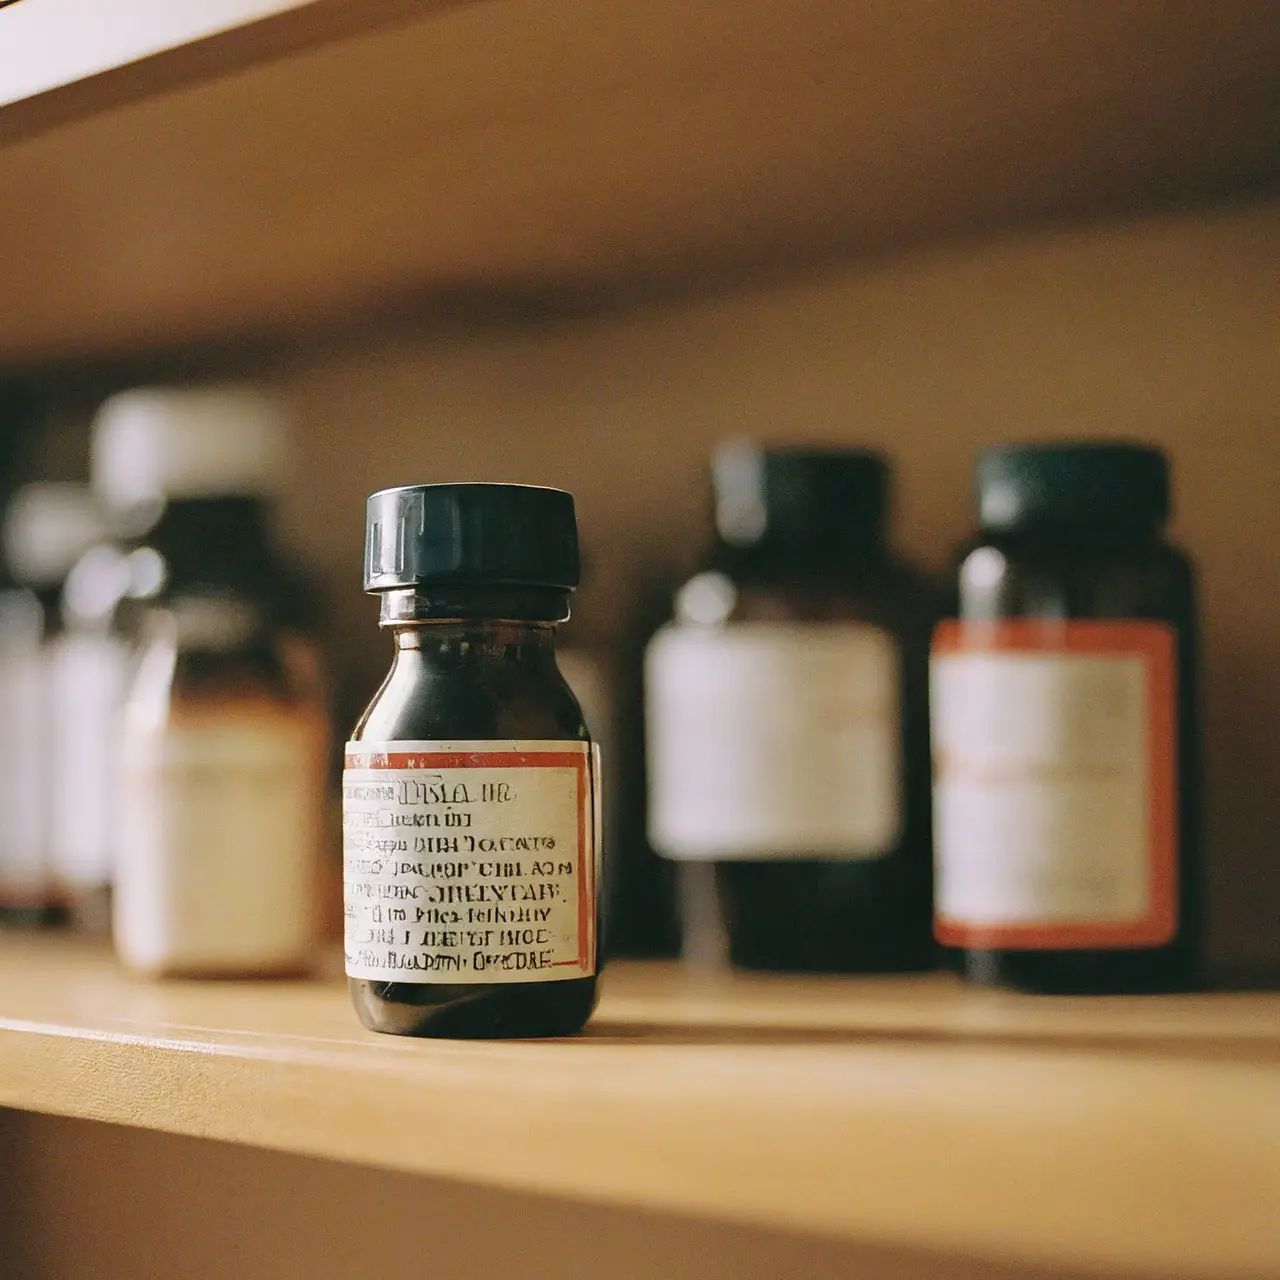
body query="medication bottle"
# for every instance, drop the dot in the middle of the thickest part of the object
(1064, 730)
(788, 757)
(27, 895)
(53, 761)
(471, 797)
(221, 744)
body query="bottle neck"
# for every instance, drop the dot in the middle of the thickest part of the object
(217, 542)
(792, 557)
(504, 642)
(475, 607)
(1081, 532)
(499, 655)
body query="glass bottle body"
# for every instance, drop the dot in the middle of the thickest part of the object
(862, 906)
(476, 665)
(1052, 576)
(222, 757)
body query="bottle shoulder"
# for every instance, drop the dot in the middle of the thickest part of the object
(884, 591)
(1089, 575)
(425, 698)
(1094, 547)
(169, 672)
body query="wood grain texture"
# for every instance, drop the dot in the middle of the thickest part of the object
(1135, 1136)
(565, 146)
(89, 1201)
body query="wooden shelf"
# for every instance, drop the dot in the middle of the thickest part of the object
(172, 173)
(1134, 1136)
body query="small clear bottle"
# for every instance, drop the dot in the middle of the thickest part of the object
(471, 796)
(788, 758)
(222, 738)
(1067, 791)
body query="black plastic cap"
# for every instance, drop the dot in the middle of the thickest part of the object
(1104, 484)
(797, 497)
(486, 534)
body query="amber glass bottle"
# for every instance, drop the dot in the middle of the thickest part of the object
(221, 743)
(471, 791)
(1064, 729)
(787, 725)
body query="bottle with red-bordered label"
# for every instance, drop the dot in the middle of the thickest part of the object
(1066, 782)
(471, 794)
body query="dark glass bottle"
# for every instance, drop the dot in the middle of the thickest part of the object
(787, 723)
(1065, 730)
(471, 794)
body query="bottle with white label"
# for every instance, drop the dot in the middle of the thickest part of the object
(221, 747)
(52, 756)
(1065, 733)
(787, 736)
(471, 792)
(27, 891)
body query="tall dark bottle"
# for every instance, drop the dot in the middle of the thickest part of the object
(1064, 728)
(787, 727)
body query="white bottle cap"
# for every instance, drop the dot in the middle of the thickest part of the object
(47, 528)
(158, 443)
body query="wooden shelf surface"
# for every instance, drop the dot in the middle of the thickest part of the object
(172, 172)
(1129, 1136)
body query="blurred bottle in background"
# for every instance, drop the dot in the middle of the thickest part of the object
(1065, 729)
(53, 771)
(641, 885)
(222, 739)
(586, 662)
(588, 673)
(26, 888)
(602, 666)
(788, 749)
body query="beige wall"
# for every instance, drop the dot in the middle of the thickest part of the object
(1167, 330)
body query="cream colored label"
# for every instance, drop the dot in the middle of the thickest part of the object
(1043, 795)
(217, 842)
(470, 862)
(773, 740)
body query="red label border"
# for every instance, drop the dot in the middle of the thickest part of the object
(1155, 643)
(576, 760)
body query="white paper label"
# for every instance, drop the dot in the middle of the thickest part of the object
(470, 862)
(1042, 790)
(86, 683)
(24, 865)
(218, 841)
(773, 740)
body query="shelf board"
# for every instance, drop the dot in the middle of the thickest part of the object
(1134, 1136)
(64, 58)
(244, 164)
